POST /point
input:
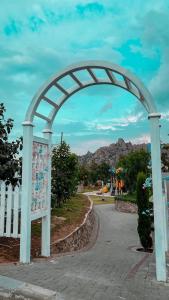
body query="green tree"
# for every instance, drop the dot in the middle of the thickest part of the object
(93, 173)
(64, 174)
(103, 172)
(165, 157)
(10, 163)
(133, 163)
(84, 175)
(90, 174)
(144, 220)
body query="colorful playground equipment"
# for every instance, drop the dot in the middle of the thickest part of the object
(105, 189)
(119, 180)
(119, 185)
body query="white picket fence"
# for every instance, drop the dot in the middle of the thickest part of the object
(10, 210)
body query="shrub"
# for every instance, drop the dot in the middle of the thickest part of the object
(144, 219)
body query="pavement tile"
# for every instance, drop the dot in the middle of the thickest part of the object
(103, 272)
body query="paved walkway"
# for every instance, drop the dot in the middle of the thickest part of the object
(95, 193)
(110, 270)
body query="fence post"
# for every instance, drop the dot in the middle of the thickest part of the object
(9, 211)
(2, 208)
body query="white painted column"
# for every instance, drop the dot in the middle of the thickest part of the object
(25, 242)
(46, 221)
(166, 214)
(158, 199)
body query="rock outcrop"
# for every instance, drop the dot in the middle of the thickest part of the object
(110, 154)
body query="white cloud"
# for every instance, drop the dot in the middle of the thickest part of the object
(165, 115)
(125, 121)
(145, 138)
(83, 147)
(154, 36)
(134, 118)
(105, 127)
(23, 78)
(114, 123)
(159, 85)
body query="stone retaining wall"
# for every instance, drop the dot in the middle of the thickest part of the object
(124, 206)
(79, 238)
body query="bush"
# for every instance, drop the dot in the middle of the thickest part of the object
(144, 219)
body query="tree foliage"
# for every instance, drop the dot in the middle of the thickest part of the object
(144, 220)
(103, 171)
(84, 175)
(64, 174)
(165, 157)
(10, 163)
(90, 174)
(133, 163)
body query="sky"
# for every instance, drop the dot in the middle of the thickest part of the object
(40, 38)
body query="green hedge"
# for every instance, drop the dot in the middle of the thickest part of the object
(127, 198)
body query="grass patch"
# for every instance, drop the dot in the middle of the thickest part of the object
(87, 189)
(73, 211)
(129, 197)
(98, 200)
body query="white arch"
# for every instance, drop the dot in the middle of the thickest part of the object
(130, 83)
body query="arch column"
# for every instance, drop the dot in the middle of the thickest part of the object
(46, 235)
(25, 242)
(158, 199)
(133, 85)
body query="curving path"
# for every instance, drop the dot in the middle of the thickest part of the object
(109, 270)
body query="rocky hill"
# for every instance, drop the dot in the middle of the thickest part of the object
(110, 154)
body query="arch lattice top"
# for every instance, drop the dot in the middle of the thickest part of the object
(76, 75)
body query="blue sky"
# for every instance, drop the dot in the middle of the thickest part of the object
(39, 38)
